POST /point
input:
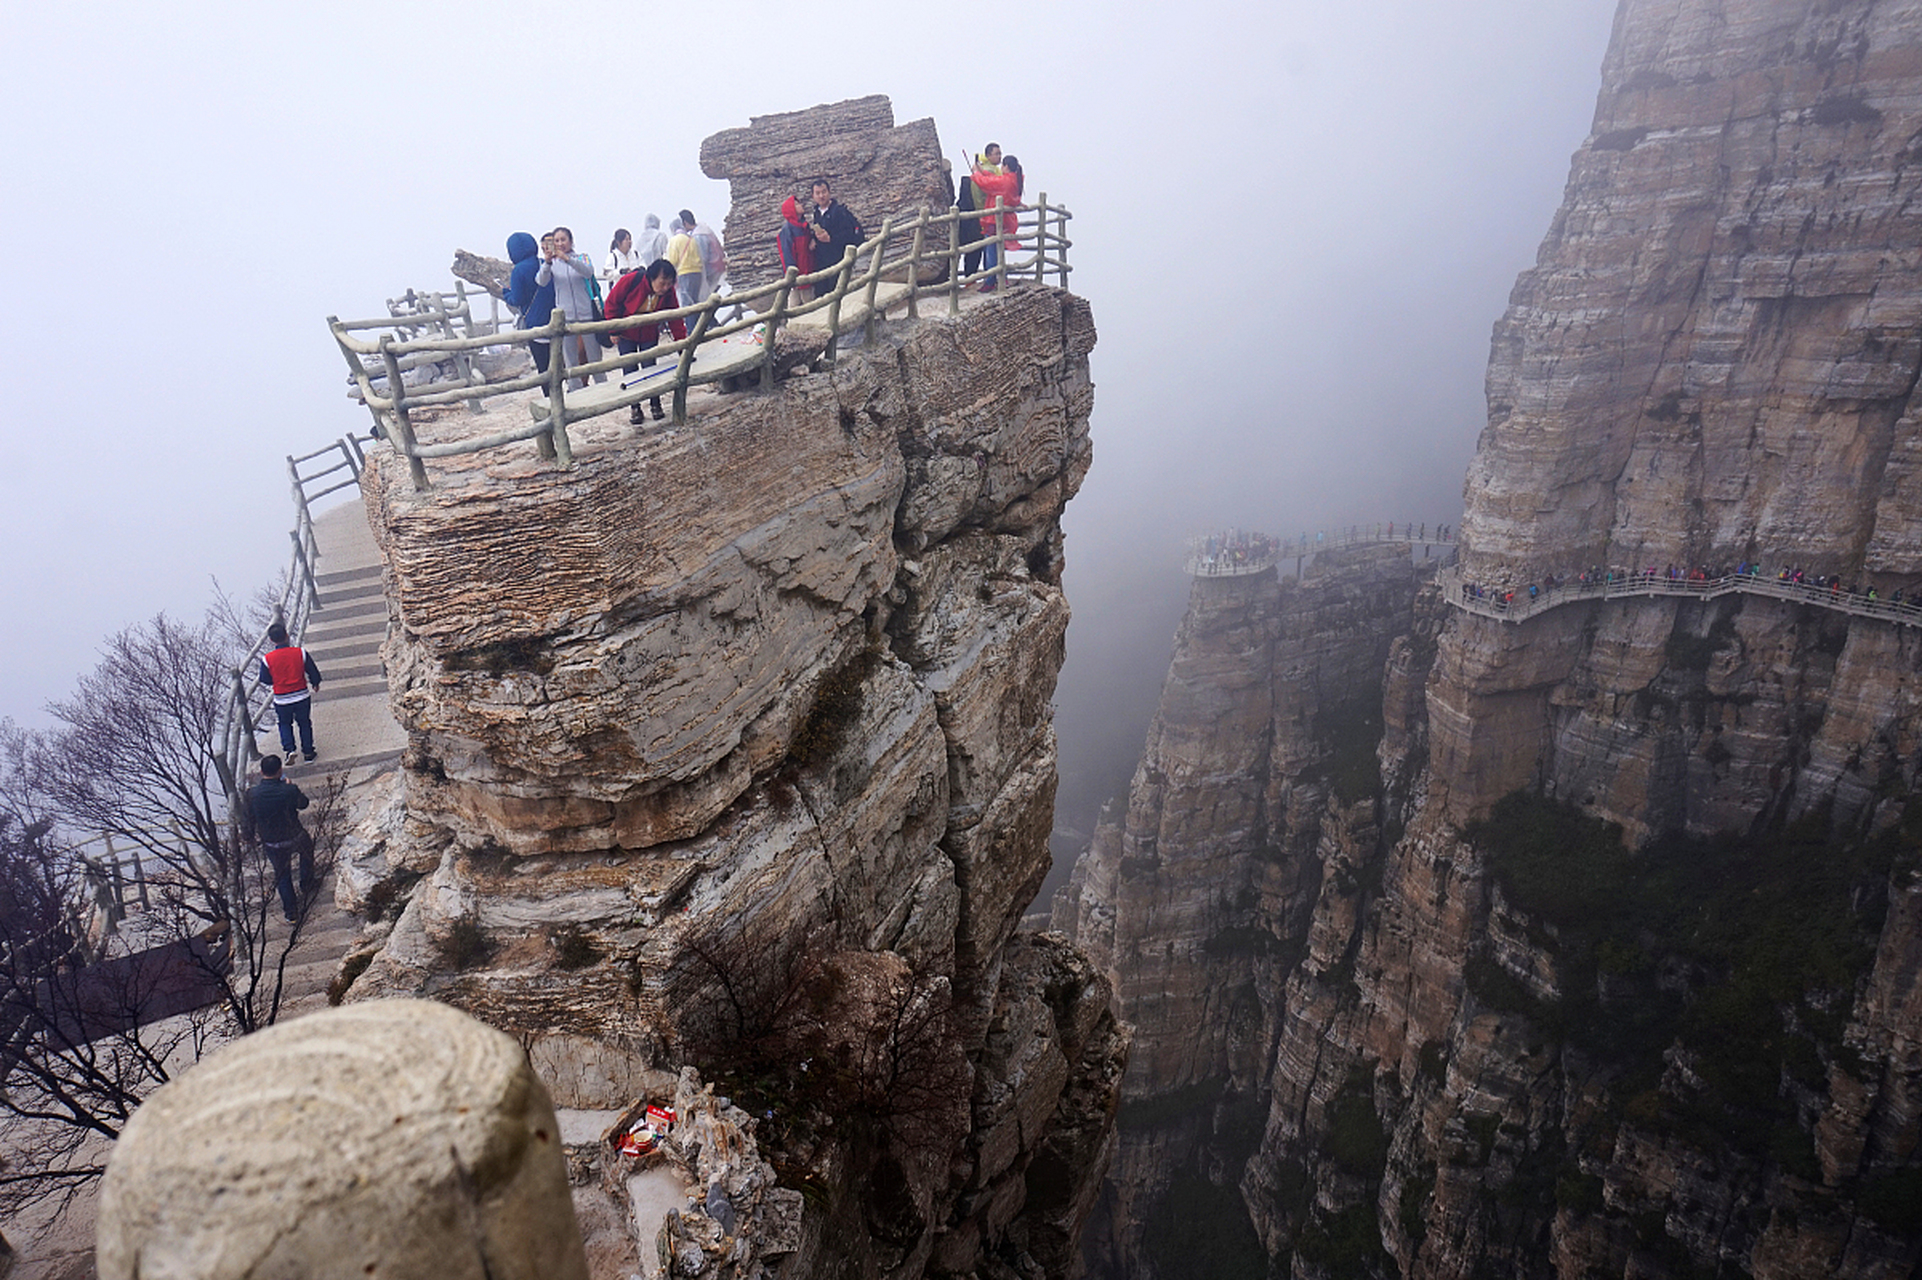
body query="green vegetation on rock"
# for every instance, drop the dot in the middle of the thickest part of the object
(1745, 950)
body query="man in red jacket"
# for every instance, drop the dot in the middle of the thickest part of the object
(293, 675)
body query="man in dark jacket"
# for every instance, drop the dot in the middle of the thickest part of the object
(272, 817)
(835, 229)
(969, 201)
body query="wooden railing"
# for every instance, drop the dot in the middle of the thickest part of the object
(846, 298)
(1509, 603)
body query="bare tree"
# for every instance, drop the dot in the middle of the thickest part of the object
(76, 1058)
(853, 1032)
(90, 1024)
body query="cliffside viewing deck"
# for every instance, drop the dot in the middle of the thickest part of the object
(729, 753)
(1237, 554)
(425, 377)
(1518, 604)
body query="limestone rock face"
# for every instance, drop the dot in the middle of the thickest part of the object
(728, 736)
(876, 168)
(1710, 364)
(1252, 800)
(1429, 1063)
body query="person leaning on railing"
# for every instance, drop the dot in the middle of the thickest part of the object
(637, 294)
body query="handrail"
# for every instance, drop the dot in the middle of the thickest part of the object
(1267, 550)
(117, 878)
(845, 297)
(248, 701)
(1511, 604)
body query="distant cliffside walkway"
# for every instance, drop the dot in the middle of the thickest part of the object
(1517, 605)
(1237, 554)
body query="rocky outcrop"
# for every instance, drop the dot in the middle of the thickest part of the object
(1613, 968)
(1251, 806)
(876, 168)
(730, 746)
(1710, 364)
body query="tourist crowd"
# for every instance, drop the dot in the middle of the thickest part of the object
(1233, 552)
(1597, 580)
(665, 271)
(1237, 550)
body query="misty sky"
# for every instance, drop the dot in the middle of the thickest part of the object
(1296, 338)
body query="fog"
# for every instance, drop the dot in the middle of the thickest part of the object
(1295, 227)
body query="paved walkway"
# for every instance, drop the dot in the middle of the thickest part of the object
(354, 727)
(1496, 602)
(356, 734)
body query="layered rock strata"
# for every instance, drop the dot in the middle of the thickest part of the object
(1613, 970)
(1711, 364)
(709, 726)
(1245, 814)
(876, 168)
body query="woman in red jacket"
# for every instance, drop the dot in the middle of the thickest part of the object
(1003, 184)
(637, 294)
(795, 241)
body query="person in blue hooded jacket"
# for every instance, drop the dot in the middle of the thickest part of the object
(534, 301)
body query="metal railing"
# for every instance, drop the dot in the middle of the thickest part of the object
(845, 298)
(250, 703)
(1255, 553)
(1508, 603)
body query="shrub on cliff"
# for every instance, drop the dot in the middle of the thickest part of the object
(1742, 951)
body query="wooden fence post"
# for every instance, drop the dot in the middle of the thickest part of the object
(954, 262)
(403, 429)
(874, 278)
(1000, 245)
(771, 326)
(559, 448)
(841, 283)
(1041, 241)
(463, 360)
(685, 364)
(914, 263)
(1061, 263)
(306, 569)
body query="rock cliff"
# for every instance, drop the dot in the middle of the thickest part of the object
(876, 168)
(1613, 967)
(730, 746)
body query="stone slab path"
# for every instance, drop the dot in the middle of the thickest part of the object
(354, 727)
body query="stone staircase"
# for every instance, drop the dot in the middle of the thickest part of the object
(354, 728)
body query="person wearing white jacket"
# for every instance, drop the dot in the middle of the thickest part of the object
(571, 273)
(621, 258)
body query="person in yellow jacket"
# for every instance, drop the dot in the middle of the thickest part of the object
(684, 253)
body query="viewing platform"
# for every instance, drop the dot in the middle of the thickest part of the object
(1239, 554)
(431, 376)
